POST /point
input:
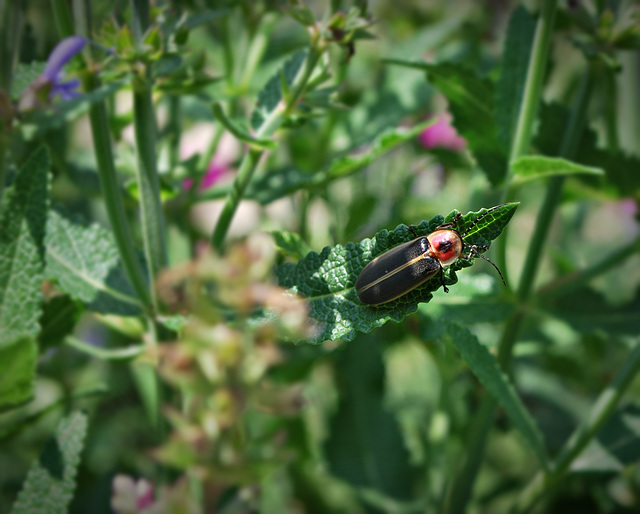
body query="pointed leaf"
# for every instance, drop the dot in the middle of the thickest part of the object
(270, 97)
(535, 167)
(471, 102)
(327, 279)
(486, 369)
(52, 478)
(513, 72)
(85, 263)
(240, 133)
(23, 215)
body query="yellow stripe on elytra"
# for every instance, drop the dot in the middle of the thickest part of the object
(391, 273)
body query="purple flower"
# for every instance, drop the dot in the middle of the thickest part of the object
(214, 174)
(53, 74)
(49, 83)
(442, 135)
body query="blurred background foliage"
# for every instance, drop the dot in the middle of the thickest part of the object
(251, 423)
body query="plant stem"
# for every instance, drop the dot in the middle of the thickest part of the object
(252, 157)
(529, 107)
(63, 17)
(112, 195)
(601, 412)
(151, 215)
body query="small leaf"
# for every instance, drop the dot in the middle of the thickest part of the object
(327, 279)
(290, 243)
(484, 366)
(51, 480)
(23, 215)
(241, 134)
(471, 102)
(271, 95)
(537, 167)
(85, 263)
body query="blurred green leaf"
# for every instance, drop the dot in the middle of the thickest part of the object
(24, 76)
(23, 215)
(471, 102)
(271, 95)
(587, 311)
(327, 279)
(37, 122)
(484, 366)
(290, 243)
(616, 446)
(58, 320)
(513, 72)
(242, 135)
(272, 185)
(536, 167)
(85, 264)
(17, 369)
(51, 481)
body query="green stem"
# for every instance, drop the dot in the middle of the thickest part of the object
(151, 215)
(10, 25)
(601, 412)
(112, 194)
(252, 157)
(529, 108)
(63, 18)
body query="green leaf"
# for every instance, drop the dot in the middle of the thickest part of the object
(85, 263)
(484, 366)
(24, 76)
(51, 480)
(513, 73)
(587, 311)
(61, 113)
(290, 243)
(535, 167)
(274, 185)
(327, 279)
(242, 135)
(616, 446)
(17, 369)
(471, 102)
(58, 320)
(23, 215)
(271, 95)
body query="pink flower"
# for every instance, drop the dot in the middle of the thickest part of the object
(213, 175)
(442, 135)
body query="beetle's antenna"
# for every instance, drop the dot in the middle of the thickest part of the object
(474, 250)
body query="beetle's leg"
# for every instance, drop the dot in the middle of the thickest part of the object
(412, 230)
(444, 286)
(451, 224)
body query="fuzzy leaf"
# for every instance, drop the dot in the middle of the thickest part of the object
(513, 74)
(85, 263)
(471, 102)
(23, 215)
(270, 97)
(537, 167)
(327, 279)
(486, 369)
(51, 480)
